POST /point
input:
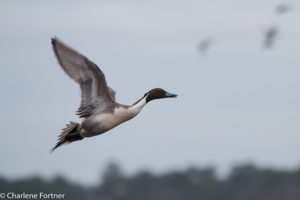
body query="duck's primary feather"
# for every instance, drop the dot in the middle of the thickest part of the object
(96, 96)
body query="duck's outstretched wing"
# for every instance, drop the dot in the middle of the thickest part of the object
(96, 96)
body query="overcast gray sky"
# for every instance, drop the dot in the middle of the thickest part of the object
(239, 103)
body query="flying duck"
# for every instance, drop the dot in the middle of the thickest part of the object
(98, 108)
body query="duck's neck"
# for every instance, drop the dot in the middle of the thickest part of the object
(137, 106)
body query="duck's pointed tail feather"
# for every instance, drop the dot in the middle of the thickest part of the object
(68, 135)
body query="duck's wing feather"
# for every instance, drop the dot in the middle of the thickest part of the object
(96, 96)
(112, 94)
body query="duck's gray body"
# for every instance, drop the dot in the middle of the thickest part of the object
(102, 122)
(98, 108)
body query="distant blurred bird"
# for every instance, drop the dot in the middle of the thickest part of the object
(282, 9)
(98, 106)
(270, 35)
(204, 45)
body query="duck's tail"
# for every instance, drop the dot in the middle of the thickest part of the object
(68, 135)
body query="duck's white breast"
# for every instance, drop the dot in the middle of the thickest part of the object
(105, 121)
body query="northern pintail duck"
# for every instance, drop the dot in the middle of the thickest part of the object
(98, 108)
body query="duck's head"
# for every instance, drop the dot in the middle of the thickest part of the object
(158, 93)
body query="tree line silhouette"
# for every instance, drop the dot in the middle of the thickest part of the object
(245, 182)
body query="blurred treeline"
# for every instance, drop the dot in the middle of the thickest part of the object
(245, 182)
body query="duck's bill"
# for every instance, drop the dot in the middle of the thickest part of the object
(170, 95)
